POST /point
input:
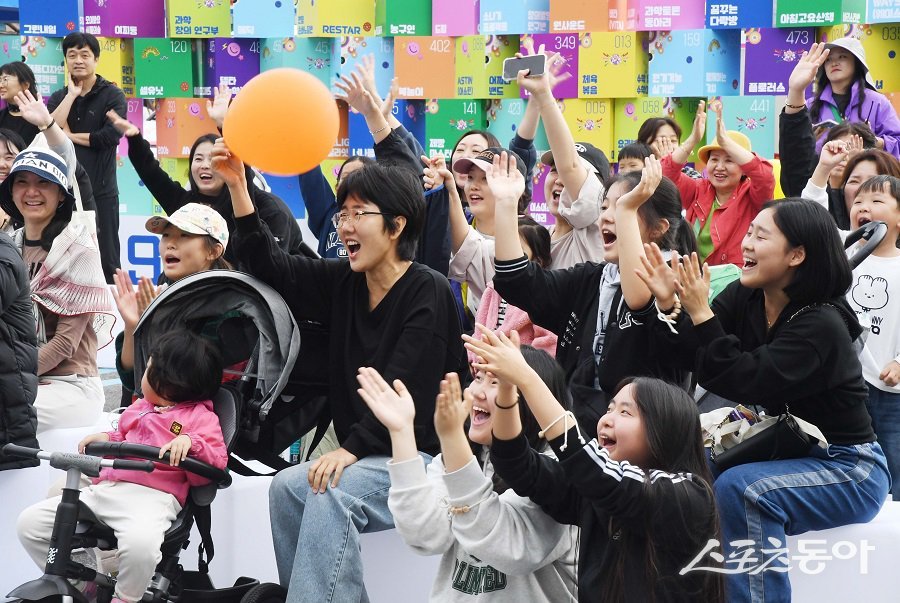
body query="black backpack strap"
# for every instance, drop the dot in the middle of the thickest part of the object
(203, 521)
(268, 458)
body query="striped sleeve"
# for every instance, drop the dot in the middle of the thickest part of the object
(621, 488)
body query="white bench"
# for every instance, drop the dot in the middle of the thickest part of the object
(243, 541)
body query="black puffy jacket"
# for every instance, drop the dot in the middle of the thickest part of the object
(18, 357)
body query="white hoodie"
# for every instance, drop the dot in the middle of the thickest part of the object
(504, 548)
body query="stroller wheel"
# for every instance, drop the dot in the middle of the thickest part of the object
(267, 592)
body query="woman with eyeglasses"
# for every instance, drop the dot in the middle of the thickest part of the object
(381, 310)
(16, 77)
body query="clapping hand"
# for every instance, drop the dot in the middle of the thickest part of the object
(658, 275)
(452, 407)
(498, 354)
(393, 407)
(692, 285)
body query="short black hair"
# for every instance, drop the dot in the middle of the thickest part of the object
(363, 159)
(877, 184)
(825, 272)
(23, 73)
(14, 141)
(648, 129)
(537, 237)
(184, 367)
(397, 191)
(635, 150)
(79, 39)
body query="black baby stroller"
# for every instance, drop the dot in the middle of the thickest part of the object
(260, 341)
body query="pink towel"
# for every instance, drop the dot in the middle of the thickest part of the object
(516, 320)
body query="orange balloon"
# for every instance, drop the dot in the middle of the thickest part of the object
(284, 122)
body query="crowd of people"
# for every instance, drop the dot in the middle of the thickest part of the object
(512, 398)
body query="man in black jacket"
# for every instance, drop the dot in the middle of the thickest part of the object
(18, 357)
(81, 111)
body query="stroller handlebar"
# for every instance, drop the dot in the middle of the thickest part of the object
(88, 465)
(151, 453)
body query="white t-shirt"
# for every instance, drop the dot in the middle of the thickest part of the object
(875, 297)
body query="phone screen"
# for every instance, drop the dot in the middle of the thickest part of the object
(534, 64)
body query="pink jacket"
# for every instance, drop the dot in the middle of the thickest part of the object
(516, 320)
(733, 220)
(143, 423)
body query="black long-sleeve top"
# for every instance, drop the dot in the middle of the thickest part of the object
(797, 152)
(806, 361)
(566, 302)
(619, 507)
(171, 196)
(413, 334)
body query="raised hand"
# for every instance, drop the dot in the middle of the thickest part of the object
(651, 176)
(658, 275)
(436, 172)
(227, 165)
(833, 153)
(354, 94)
(805, 70)
(218, 107)
(662, 147)
(692, 285)
(854, 146)
(452, 408)
(505, 180)
(33, 110)
(498, 354)
(387, 105)
(126, 299)
(392, 406)
(699, 128)
(122, 125)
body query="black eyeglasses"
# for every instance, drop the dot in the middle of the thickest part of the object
(338, 219)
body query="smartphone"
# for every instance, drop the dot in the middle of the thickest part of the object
(534, 63)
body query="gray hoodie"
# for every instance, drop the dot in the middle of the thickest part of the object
(504, 548)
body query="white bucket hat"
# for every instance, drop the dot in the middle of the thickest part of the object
(854, 47)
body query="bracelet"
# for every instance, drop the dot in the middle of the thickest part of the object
(48, 126)
(513, 405)
(669, 318)
(795, 106)
(565, 419)
(451, 510)
(379, 130)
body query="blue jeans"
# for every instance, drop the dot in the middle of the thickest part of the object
(316, 536)
(884, 408)
(759, 501)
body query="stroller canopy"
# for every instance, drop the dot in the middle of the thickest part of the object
(257, 327)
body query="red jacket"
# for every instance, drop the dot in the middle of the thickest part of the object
(732, 220)
(143, 423)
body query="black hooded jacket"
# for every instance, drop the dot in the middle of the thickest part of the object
(171, 196)
(88, 115)
(18, 357)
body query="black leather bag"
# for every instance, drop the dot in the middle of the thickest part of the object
(783, 439)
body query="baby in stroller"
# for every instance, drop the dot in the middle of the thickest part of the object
(175, 414)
